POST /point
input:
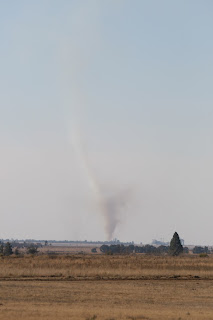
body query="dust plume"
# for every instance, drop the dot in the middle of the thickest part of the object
(112, 207)
(110, 204)
(78, 54)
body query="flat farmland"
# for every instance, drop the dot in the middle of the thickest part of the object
(106, 287)
(68, 249)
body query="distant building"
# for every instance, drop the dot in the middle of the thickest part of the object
(159, 243)
(163, 243)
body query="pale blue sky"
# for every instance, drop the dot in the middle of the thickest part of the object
(133, 81)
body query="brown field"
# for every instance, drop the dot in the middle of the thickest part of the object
(106, 287)
(70, 248)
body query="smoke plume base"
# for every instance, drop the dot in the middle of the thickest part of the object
(110, 205)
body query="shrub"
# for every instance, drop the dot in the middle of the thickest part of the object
(8, 249)
(203, 255)
(32, 249)
(1, 248)
(186, 250)
(17, 252)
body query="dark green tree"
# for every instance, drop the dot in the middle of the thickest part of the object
(162, 249)
(1, 248)
(131, 248)
(8, 249)
(104, 248)
(17, 252)
(186, 250)
(175, 247)
(199, 250)
(32, 249)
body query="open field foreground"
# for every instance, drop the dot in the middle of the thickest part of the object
(104, 287)
(153, 299)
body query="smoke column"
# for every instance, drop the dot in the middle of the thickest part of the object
(109, 205)
(77, 55)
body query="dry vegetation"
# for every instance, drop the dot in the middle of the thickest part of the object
(89, 287)
(76, 267)
(107, 300)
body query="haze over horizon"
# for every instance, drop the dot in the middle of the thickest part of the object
(106, 120)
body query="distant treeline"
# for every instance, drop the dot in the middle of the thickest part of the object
(148, 249)
(7, 249)
(121, 249)
(115, 241)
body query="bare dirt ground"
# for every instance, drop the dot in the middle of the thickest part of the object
(104, 287)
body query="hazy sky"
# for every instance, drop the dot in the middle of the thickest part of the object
(106, 119)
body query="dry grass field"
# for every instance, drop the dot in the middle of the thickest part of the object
(92, 287)
(68, 249)
(96, 267)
